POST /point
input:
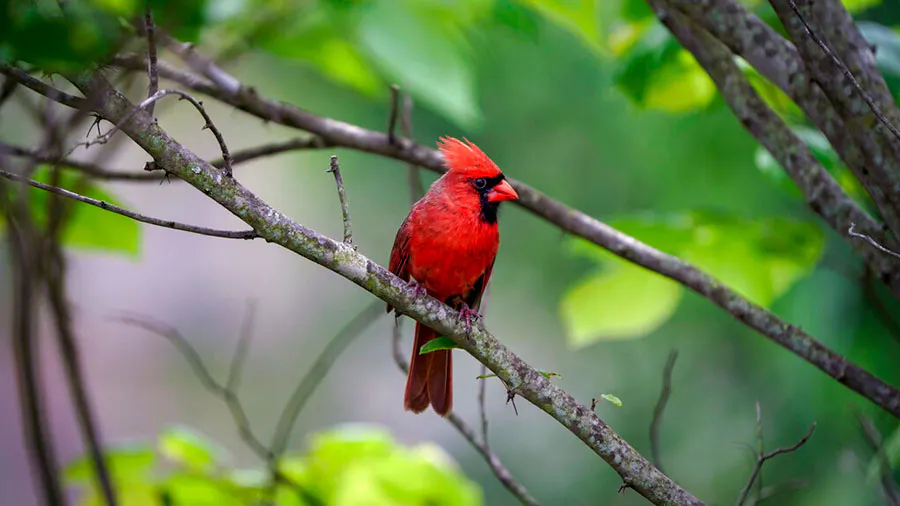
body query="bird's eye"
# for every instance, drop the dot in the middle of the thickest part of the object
(480, 183)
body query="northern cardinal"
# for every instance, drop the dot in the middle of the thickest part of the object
(447, 244)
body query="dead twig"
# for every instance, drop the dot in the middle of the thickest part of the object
(152, 72)
(853, 233)
(227, 234)
(342, 194)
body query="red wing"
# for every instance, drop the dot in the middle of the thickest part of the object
(400, 254)
(473, 298)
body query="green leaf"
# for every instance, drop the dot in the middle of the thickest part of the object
(760, 259)
(441, 343)
(623, 302)
(657, 73)
(855, 6)
(424, 56)
(579, 17)
(127, 464)
(549, 374)
(198, 490)
(189, 448)
(364, 465)
(546, 374)
(613, 399)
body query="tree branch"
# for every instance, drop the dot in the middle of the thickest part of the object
(873, 437)
(579, 224)
(342, 195)
(227, 234)
(344, 260)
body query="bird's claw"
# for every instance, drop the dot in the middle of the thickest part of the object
(418, 289)
(467, 314)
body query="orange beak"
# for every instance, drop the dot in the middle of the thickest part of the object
(501, 192)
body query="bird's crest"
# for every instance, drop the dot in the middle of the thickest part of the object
(466, 157)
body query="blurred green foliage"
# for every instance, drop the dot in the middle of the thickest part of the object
(343, 466)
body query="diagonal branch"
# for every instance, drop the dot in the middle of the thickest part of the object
(660, 407)
(341, 258)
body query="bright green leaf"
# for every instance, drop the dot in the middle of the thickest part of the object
(364, 465)
(198, 490)
(441, 343)
(622, 303)
(424, 56)
(656, 73)
(548, 374)
(189, 448)
(854, 6)
(580, 17)
(760, 259)
(127, 464)
(613, 399)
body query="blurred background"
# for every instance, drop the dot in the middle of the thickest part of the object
(591, 103)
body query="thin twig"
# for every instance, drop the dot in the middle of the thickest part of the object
(873, 437)
(392, 120)
(761, 457)
(226, 156)
(844, 70)
(660, 407)
(482, 409)
(317, 372)
(152, 72)
(44, 89)
(873, 242)
(493, 461)
(227, 234)
(345, 206)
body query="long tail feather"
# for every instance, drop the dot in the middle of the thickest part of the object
(430, 379)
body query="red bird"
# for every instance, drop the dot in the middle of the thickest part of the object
(447, 244)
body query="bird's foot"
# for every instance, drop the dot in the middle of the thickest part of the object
(418, 288)
(468, 314)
